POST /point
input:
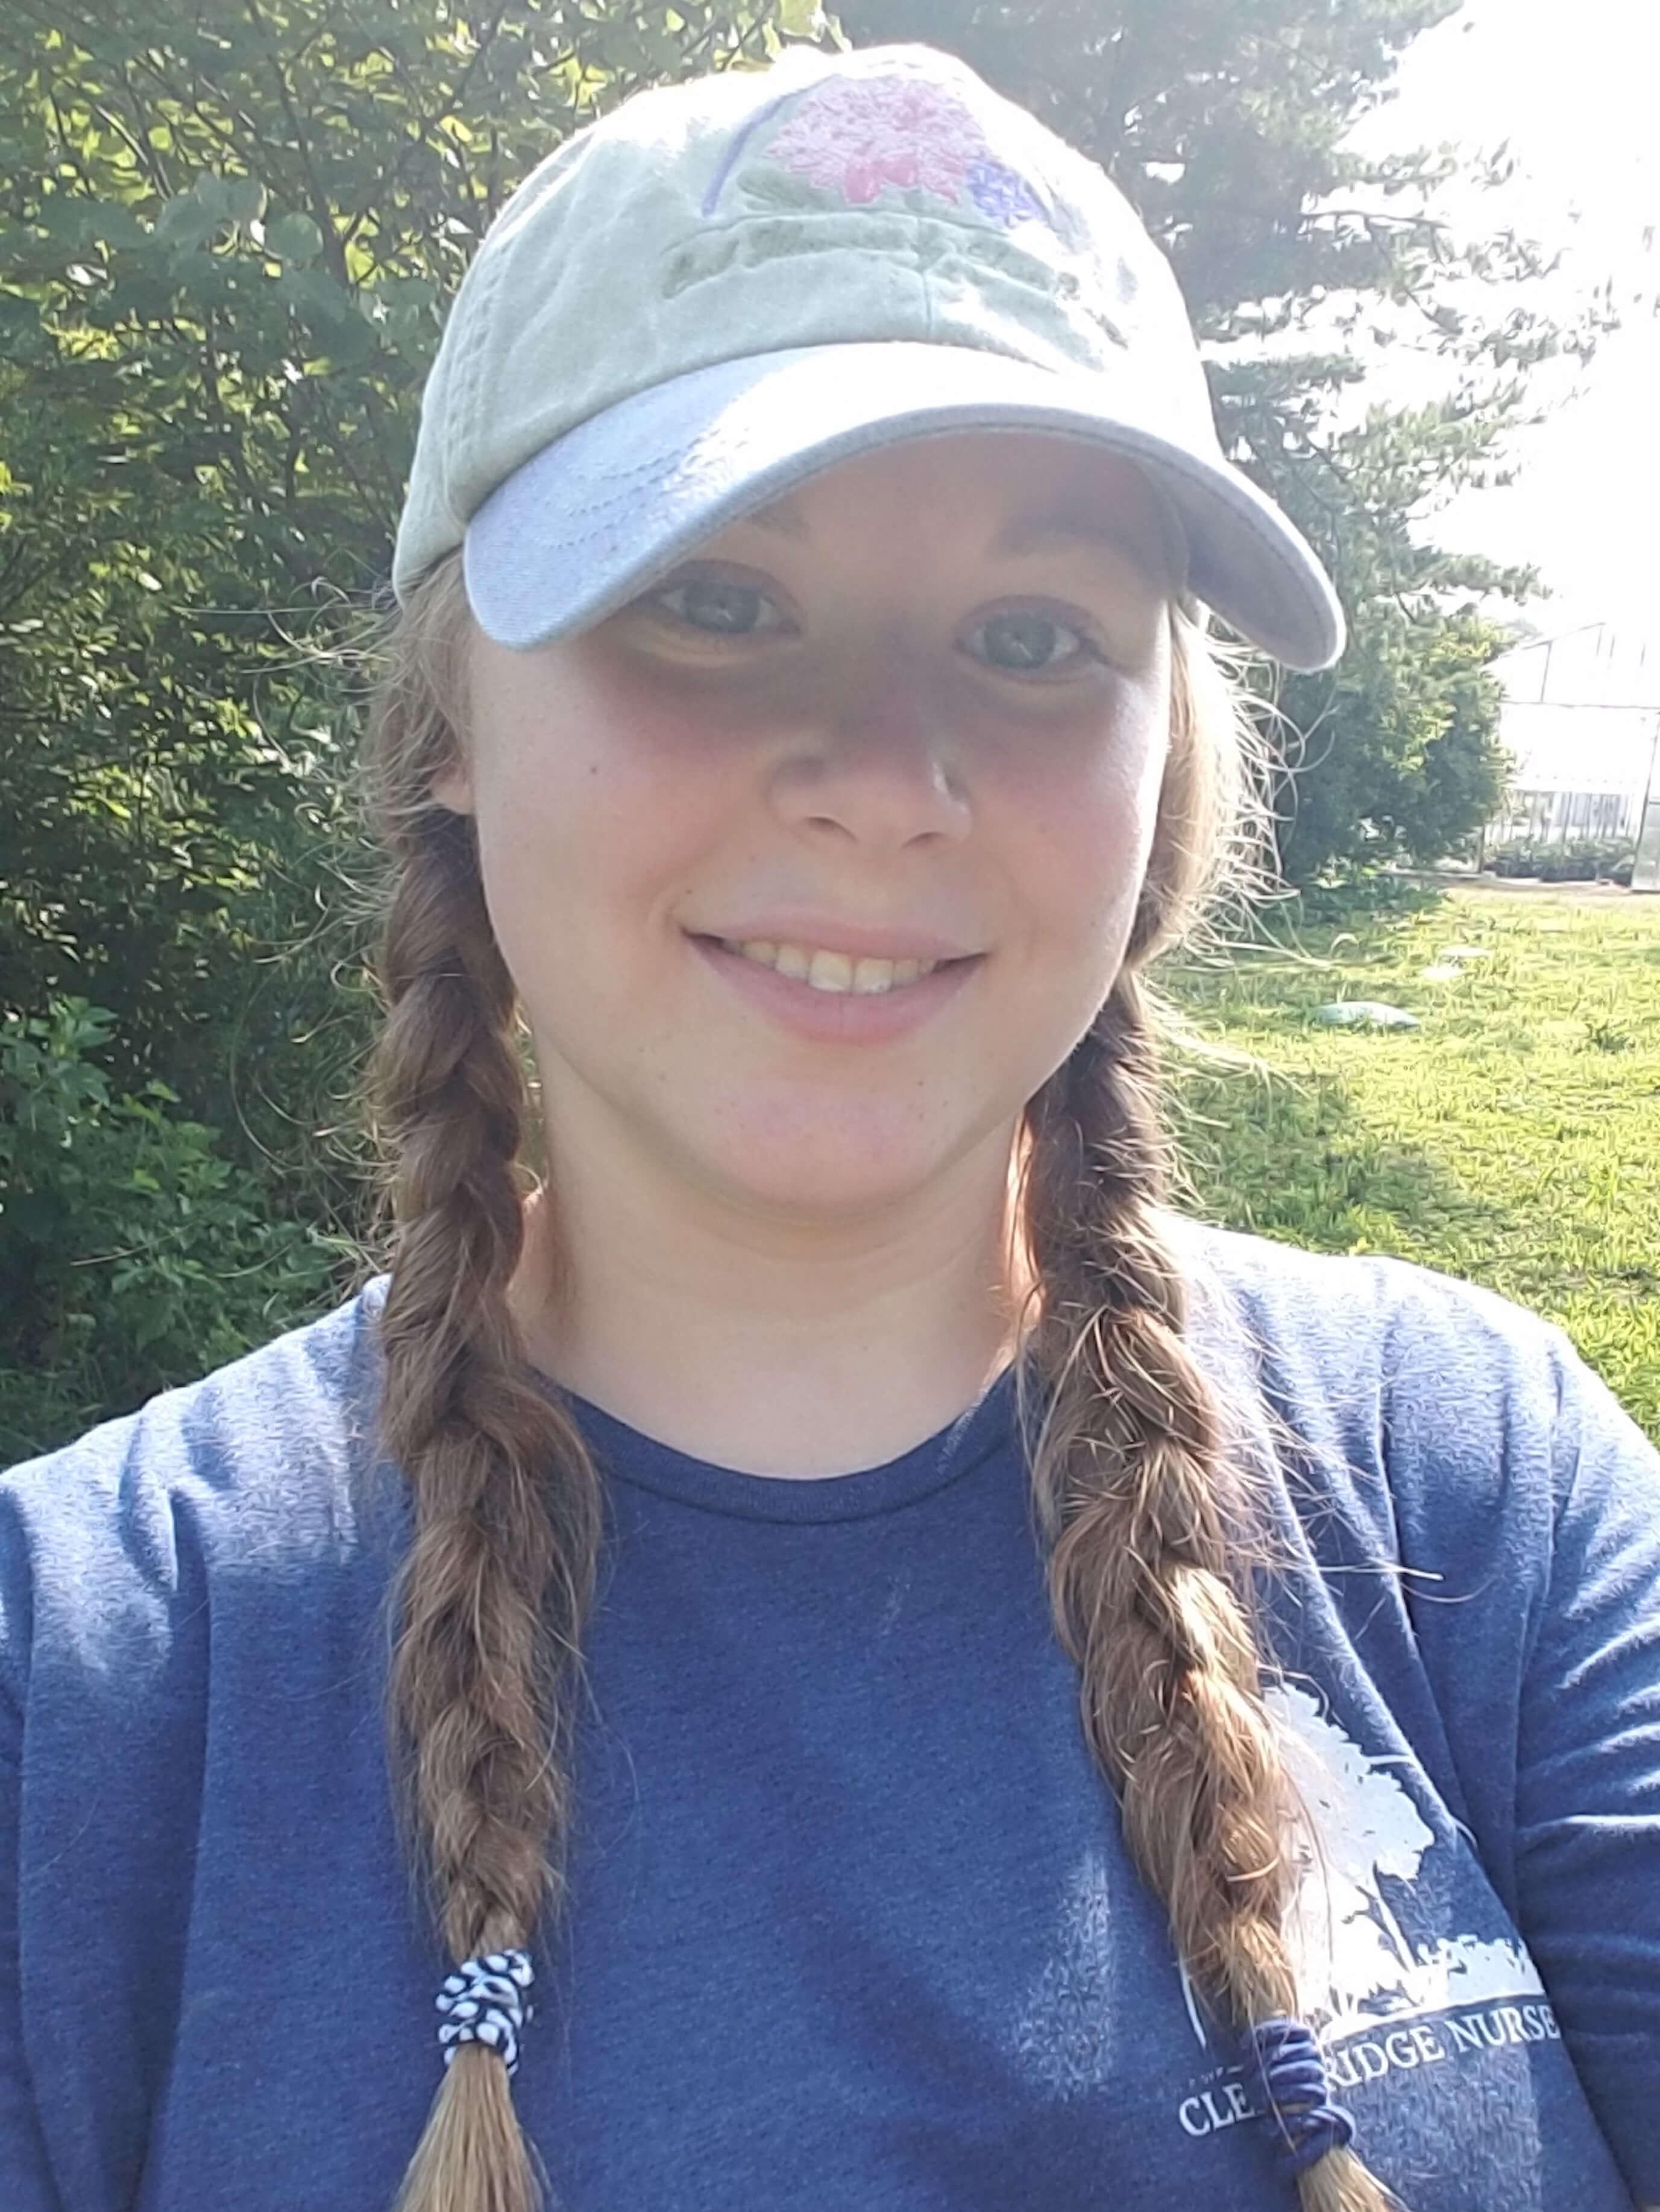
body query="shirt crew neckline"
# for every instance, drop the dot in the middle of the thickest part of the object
(628, 1455)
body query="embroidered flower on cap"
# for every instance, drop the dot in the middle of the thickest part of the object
(860, 137)
(1006, 198)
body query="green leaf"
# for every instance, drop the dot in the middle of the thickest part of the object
(185, 222)
(407, 295)
(113, 224)
(294, 239)
(313, 294)
(245, 198)
(62, 215)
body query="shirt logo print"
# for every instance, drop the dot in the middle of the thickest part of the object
(1362, 1950)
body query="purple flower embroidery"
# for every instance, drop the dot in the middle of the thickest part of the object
(858, 138)
(1006, 198)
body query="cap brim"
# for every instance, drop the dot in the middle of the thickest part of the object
(591, 521)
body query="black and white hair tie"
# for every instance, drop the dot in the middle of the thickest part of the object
(484, 2001)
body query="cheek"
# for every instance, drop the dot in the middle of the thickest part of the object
(592, 803)
(1085, 820)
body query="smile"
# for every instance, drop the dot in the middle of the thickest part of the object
(830, 971)
(832, 997)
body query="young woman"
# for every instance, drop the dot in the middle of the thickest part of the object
(956, 1688)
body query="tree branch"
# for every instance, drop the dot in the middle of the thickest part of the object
(321, 211)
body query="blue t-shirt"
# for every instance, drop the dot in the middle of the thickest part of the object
(852, 1928)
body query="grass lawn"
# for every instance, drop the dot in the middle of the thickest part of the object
(1513, 1138)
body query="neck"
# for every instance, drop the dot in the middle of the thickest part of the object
(773, 1344)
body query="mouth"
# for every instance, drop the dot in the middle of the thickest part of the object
(840, 974)
(830, 995)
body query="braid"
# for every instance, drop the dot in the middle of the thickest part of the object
(1130, 1475)
(493, 1589)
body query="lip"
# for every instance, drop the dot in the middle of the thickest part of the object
(858, 943)
(840, 1017)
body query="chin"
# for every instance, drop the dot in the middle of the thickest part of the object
(847, 1165)
(820, 1194)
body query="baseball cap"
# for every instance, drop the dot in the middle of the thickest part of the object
(724, 288)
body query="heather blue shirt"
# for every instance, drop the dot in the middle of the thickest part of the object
(852, 1927)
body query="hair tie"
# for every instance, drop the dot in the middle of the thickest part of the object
(484, 2003)
(1288, 2069)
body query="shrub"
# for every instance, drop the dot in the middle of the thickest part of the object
(1577, 860)
(131, 1256)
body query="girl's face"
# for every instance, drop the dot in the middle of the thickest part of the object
(813, 864)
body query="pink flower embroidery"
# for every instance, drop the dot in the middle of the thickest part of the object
(856, 138)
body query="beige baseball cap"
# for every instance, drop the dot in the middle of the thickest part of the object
(724, 288)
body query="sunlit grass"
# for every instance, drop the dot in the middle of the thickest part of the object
(1513, 1139)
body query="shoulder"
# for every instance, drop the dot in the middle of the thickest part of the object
(262, 1464)
(1346, 1344)
(1443, 1425)
(1436, 1416)
(1323, 1304)
(1481, 1513)
(295, 1403)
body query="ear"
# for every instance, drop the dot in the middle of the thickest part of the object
(453, 788)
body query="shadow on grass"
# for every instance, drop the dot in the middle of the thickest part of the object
(1271, 984)
(1359, 905)
(1291, 1158)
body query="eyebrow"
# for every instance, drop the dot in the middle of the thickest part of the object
(1025, 536)
(1063, 528)
(782, 516)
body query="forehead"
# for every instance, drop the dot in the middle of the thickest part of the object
(1004, 494)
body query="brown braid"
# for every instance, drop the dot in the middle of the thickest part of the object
(1130, 1470)
(1130, 1475)
(496, 1583)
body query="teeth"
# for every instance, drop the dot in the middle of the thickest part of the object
(833, 971)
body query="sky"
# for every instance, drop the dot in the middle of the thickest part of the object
(1573, 87)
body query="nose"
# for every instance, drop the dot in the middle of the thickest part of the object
(873, 765)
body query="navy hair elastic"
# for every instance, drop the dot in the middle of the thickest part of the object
(484, 2001)
(1288, 2072)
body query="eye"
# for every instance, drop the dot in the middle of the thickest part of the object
(725, 606)
(1024, 642)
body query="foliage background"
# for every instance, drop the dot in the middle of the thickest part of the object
(226, 235)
